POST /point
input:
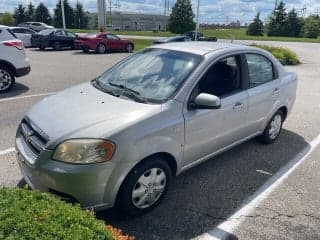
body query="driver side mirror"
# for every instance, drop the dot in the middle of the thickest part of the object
(205, 101)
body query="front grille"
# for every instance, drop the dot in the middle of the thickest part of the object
(35, 138)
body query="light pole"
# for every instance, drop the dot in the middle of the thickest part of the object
(197, 22)
(101, 15)
(63, 16)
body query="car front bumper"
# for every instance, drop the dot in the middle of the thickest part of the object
(85, 184)
(22, 71)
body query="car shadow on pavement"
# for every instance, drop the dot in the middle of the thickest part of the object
(204, 196)
(17, 90)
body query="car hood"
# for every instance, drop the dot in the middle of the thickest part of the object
(84, 111)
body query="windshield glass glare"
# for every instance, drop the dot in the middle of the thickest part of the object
(153, 74)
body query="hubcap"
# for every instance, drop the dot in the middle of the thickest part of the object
(5, 80)
(149, 188)
(275, 126)
(129, 48)
(102, 48)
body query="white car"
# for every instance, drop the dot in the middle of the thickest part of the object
(13, 59)
(24, 34)
(36, 26)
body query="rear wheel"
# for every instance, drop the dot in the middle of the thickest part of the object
(144, 187)
(273, 129)
(101, 48)
(56, 46)
(42, 47)
(7, 79)
(129, 48)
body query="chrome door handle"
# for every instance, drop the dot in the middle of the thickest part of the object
(276, 91)
(238, 106)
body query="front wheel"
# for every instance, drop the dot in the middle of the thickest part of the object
(273, 129)
(144, 187)
(7, 79)
(56, 46)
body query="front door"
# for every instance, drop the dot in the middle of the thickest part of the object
(210, 130)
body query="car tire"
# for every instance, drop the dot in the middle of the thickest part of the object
(129, 48)
(101, 48)
(7, 79)
(56, 46)
(273, 129)
(85, 50)
(42, 47)
(144, 187)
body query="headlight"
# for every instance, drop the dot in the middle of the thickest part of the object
(84, 151)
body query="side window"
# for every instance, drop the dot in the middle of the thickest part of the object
(223, 78)
(112, 37)
(260, 69)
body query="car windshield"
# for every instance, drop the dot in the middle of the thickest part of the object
(153, 74)
(45, 32)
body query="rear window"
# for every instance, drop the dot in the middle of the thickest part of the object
(91, 35)
(46, 32)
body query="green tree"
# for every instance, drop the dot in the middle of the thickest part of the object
(181, 18)
(293, 24)
(276, 25)
(312, 27)
(69, 15)
(80, 17)
(19, 14)
(29, 12)
(256, 27)
(7, 19)
(42, 14)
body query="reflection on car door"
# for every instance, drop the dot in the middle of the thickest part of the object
(208, 131)
(263, 90)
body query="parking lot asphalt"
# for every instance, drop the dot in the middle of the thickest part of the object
(207, 195)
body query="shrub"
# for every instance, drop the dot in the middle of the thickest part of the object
(29, 214)
(284, 55)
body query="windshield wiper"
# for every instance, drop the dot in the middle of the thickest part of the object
(128, 92)
(97, 84)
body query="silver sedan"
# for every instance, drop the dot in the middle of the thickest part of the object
(119, 139)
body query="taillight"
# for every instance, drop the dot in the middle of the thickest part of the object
(16, 44)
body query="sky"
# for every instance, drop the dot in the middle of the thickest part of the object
(211, 11)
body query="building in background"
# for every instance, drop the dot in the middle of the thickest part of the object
(127, 21)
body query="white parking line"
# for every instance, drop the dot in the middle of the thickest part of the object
(223, 230)
(6, 151)
(27, 96)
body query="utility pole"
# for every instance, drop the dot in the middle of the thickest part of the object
(197, 23)
(63, 15)
(165, 7)
(101, 4)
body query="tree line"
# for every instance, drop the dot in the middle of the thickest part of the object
(286, 24)
(75, 17)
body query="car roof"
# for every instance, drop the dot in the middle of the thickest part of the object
(199, 47)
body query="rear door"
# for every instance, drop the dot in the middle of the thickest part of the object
(264, 90)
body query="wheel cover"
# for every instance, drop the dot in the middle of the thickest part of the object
(149, 188)
(101, 48)
(129, 48)
(275, 126)
(5, 79)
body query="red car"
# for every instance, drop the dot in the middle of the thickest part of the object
(103, 42)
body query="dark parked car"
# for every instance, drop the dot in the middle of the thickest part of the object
(200, 37)
(103, 42)
(173, 39)
(55, 38)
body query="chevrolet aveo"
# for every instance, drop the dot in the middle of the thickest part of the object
(119, 139)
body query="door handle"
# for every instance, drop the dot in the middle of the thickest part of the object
(238, 106)
(276, 91)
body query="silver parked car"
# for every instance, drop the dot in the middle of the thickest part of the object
(24, 34)
(120, 138)
(36, 26)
